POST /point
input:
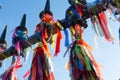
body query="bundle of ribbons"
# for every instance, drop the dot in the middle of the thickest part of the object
(81, 64)
(19, 35)
(41, 67)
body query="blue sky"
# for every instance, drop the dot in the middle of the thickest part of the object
(107, 54)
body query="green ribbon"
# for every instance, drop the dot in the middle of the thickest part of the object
(79, 50)
(87, 62)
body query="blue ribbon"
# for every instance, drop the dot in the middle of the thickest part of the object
(79, 64)
(66, 38)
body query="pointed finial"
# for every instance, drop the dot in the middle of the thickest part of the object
(3, 35)
(46, 10)
(23, 21)
(47, 6)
